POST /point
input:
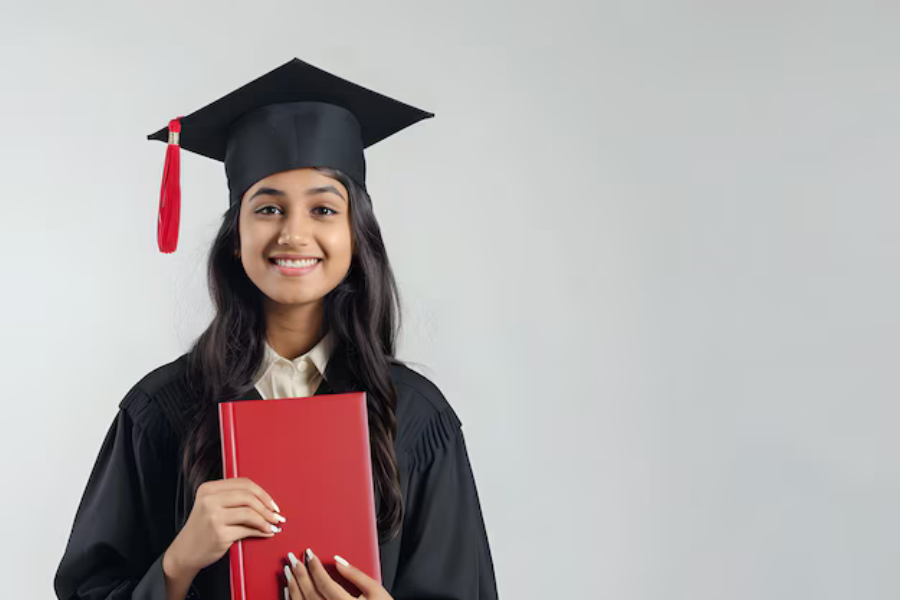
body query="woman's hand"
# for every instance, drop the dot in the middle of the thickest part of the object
(312, 582)
(224, 511)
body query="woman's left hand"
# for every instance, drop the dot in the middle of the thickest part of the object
(312, 581)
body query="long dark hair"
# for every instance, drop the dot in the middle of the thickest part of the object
(362, 312)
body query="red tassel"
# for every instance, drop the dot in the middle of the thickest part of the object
(170, 194)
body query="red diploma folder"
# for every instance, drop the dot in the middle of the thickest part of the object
(312, 456)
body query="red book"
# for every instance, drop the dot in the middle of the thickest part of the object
(312, 456)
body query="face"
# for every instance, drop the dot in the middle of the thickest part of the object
(301, 216)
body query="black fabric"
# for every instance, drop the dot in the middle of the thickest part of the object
(294, 116)
(281, 137)
(133, 505)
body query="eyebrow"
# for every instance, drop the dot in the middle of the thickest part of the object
(325, 189)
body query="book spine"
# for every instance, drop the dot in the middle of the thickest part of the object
(229, 470)
(370, 484)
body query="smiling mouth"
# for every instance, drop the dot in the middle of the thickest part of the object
(304, 263)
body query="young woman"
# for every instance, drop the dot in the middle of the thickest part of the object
(306, 304)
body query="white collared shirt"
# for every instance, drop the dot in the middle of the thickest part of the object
(279, 377)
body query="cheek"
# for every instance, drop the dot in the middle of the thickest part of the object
(254, 234)
(339, 244)
(245, 231)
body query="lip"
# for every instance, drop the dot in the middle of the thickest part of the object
(294, 256)
(294, 272)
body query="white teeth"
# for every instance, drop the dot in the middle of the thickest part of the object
(296, 264)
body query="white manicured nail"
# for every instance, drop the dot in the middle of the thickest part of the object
(293, 559)
(341, 560)
(309, 555)
(275, 507)
(287, 573)
(275, 529)
(286, 594)
(280, 518)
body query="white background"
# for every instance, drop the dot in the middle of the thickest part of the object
(648, 250)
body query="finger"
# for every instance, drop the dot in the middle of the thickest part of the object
(248, 517)
(238, 497)
(234, 533)
(368, 586)
(301, 574)
(261, 494)
(326, 586)
(292, 589)
(243, 483)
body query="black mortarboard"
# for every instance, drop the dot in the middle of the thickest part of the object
(292, 117)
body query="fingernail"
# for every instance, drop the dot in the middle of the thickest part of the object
(280, 518)
(341, 560)
(287, 573)
(275, 529)
(309, 555)
(293, 559)
(286, 594)
(275, 507)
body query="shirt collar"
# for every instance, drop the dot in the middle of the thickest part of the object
(318, 356)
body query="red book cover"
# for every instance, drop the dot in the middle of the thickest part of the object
(312, 456)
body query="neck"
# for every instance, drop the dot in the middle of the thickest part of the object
(293, 330)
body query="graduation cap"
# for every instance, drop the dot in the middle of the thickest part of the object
(294, 116)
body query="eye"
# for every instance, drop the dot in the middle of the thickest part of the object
(264, 208)
(332, 211)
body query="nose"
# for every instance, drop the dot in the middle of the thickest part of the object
(296, 232)
(286, 239)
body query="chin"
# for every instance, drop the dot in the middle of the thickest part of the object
(296, 298)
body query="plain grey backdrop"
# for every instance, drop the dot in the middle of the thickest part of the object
(647, 249)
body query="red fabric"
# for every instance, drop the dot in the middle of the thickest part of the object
(170, 195)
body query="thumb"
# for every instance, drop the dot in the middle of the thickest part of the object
(368, 586)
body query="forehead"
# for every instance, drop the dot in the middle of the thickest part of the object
(295, 182)
(306, 177)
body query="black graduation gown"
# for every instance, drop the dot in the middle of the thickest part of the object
(133, 505)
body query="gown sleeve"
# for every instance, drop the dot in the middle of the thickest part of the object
(444, 551)
(121, 527)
